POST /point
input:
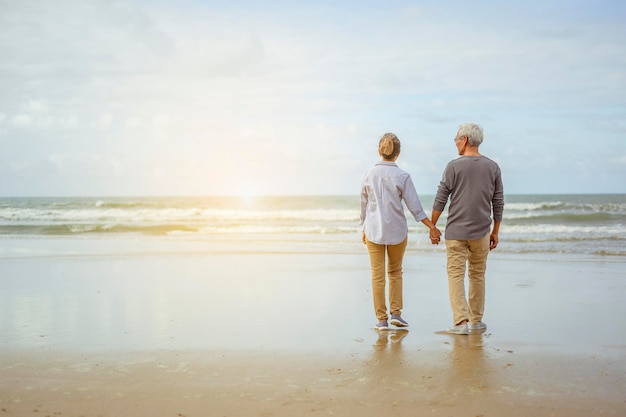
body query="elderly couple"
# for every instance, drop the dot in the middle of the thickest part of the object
(473, 184)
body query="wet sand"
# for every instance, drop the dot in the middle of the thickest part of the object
(202, 333)
(461, 380)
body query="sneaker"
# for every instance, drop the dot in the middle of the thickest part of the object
(477, 326)
(459, 329)
(382, 325)
(396, 320)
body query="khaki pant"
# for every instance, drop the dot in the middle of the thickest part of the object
(470, 255)
(395, 254)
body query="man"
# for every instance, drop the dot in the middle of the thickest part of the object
(473, 183)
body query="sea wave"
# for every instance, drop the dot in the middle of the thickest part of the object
(560, 224)
(528, 233)
(599, 205)
(63, 229)
(516, 213)
(165, 215)
(568, 219)
(605, 252)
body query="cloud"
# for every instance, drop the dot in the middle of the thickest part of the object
(36, 105)
(191, 92)
(104, 121)
(22, 120)
(620, 160)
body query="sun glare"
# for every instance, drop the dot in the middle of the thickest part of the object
(247, 199)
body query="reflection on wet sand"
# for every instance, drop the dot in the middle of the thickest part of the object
(387, 350)
(386, 368)
(467, 371)
(398, 374)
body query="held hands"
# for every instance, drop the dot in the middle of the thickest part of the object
(435, 235)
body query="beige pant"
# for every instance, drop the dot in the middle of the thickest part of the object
(470, 255)
(395, 254)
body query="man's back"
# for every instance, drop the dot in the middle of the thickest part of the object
(474, 186)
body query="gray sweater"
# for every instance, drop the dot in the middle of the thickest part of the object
(474, 186)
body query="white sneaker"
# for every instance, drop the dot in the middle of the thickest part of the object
(477, 326)
(459, 329)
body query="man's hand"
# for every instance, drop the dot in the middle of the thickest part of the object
(493, 241)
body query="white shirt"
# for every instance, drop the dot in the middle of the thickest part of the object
(384, 187)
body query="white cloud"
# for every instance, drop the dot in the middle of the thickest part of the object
(69, 122)
(22, 120)
(133, 123)
(36, 105)
(161, 120)
(104, 121)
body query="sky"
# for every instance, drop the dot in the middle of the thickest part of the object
(199, 97)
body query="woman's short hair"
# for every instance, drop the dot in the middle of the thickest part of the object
(473, 131)
(389, 146)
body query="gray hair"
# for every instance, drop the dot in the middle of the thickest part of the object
(473, 131)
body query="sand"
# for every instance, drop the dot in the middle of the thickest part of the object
(180, 331)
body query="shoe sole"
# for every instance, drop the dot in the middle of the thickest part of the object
(399, 323)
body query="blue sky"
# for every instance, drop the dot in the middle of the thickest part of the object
(291, 97)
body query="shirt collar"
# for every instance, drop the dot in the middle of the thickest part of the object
(389, 163)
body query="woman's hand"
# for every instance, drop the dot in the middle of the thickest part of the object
(435, 235)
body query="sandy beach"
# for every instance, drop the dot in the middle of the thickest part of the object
(96, 328)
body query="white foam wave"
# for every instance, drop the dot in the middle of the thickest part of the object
(266, 229)
(543, 229)
(168, 215)
(532, 206)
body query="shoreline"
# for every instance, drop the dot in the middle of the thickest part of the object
(123, 246)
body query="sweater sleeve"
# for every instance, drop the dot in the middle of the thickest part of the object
(444, 189)
(497, 202)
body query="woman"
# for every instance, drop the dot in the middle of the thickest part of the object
(385, 228)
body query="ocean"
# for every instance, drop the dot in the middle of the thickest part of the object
(576, 225)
